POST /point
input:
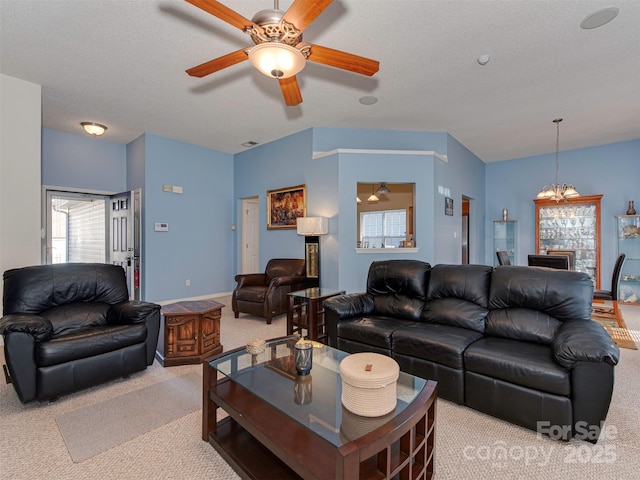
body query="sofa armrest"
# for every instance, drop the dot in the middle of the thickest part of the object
(250, 279)
(343, 307)
(35, 325)
(584, 341)
(289, 280)
(133, 311)
(348, 306)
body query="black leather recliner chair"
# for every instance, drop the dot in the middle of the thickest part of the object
(67, 327)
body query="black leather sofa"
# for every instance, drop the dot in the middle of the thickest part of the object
(515, 342)
(71, 326)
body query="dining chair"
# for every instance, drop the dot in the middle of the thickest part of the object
(503, 257)
(615, 277)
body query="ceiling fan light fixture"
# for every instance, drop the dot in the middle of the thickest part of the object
(94, 129)
(277, 60)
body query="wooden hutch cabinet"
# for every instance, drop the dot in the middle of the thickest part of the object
(189, 332)
(571, 225)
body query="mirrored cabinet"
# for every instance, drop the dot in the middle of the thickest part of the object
(504, 239)
(571, 225)
(629, 244)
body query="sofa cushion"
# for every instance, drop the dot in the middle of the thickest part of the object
(455, 312)
(88, 342)
(561, 294)
(74, 316)
(522, 324)
(371, 330)
(405, 277)
(466, 282)
(527, 364)
(37, 288)
(397, 306)
(441, 344)
(251, 294)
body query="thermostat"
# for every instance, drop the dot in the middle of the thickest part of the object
(162, 227)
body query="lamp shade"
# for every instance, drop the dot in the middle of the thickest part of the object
(277, 60)
(312, 226)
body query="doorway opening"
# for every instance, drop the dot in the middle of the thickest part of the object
(85, 227)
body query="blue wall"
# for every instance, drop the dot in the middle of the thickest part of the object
(201, 246)
(612, 170)
(82, 162)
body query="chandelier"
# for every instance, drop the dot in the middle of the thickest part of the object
(558, 191)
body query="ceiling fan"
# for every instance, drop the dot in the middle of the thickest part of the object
(279, 51)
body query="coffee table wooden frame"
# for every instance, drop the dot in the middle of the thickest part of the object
(259, 441)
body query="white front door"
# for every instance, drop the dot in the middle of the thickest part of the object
(125, 239)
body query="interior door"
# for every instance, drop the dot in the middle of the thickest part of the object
(125, 238)
(250, 235)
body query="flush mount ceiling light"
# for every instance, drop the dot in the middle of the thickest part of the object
(383, 190)
(599, 18)
(558, 191)
(93, 129)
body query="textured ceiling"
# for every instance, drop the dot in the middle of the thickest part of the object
(122, 63)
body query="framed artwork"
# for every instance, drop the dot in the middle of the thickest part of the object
(448, 206)
(285, 205)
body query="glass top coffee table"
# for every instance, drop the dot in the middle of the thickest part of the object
(283, 425)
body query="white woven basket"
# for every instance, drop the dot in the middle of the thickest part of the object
(369, 383)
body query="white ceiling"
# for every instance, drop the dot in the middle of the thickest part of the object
(122, 63)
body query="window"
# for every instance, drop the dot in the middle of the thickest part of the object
(385, 229)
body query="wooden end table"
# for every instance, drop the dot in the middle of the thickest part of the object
(189, 332)
(305, 311)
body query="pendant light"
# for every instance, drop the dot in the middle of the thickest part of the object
(558, 191)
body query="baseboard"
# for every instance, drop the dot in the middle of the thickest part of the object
(201, 297)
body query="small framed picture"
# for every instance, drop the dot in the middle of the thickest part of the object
(448, 206)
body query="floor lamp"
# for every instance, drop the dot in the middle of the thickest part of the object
(311, 228)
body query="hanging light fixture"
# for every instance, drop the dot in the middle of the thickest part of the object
(383, 190)
(558, 191)
(93, 129)
(277, 60)
(372, 198)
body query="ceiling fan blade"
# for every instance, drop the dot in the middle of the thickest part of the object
(219, 63)
(302, 12)
(224, 13)
(346, 61)
(290, 91)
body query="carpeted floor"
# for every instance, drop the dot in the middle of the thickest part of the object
(469, 444)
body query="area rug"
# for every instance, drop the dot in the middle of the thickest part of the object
(611, 319)
(94, 429)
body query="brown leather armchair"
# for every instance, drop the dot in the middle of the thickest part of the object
(265, 294)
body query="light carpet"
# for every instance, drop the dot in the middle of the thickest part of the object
(610, 317)
(93, 429)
